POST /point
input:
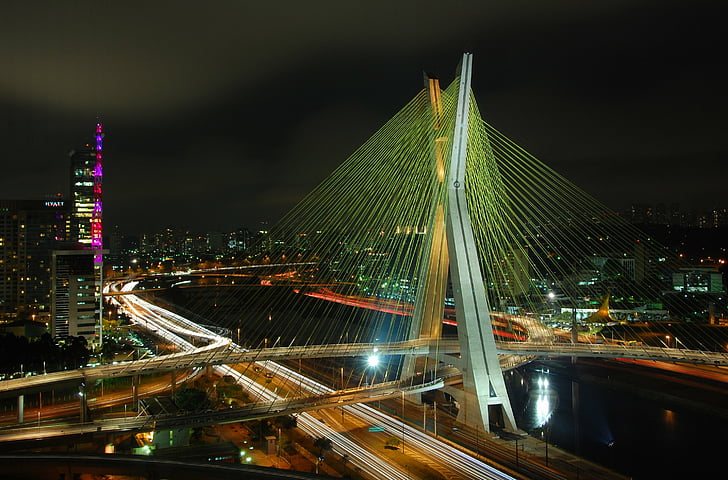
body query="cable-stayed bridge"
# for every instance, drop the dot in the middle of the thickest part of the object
(440, 216)
(223, 352)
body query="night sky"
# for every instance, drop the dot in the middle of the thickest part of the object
(221, 114)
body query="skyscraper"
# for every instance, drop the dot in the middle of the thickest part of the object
(86, 194)
(77, 306)
(29, 231)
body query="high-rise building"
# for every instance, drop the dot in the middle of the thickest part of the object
(29, 231)
(77, 306)
(77, 269)
(51, 252)
(86, 193)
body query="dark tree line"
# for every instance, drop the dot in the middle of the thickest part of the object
(20, 354)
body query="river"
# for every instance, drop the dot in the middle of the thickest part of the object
(636, 420)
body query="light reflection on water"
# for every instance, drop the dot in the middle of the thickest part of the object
(669, 420)
(542, 401)
(615, 427)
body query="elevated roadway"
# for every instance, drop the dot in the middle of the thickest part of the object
(217, 350)
(223, 351)
(604, 350)
(460, 464)
(49, 466)
(252, 411)
(512, 354)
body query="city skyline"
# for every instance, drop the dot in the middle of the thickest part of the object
(226, 117)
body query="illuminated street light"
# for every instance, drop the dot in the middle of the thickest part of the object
(373, 360)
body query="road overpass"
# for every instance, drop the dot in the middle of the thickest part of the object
(228, 353)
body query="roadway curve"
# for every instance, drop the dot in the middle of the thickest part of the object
(464, 465)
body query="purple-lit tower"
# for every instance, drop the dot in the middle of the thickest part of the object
(86, 194)
(77, 269)
(96, 216)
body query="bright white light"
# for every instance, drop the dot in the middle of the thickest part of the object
(543, 410)
(373, 360)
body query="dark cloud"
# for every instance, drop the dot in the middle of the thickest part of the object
(225, 113)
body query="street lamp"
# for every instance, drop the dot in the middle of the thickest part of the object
(373, 360)
(402, 421)
(342, 388)
(545, 433)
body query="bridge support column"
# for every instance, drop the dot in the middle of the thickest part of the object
(483, 382)
(173, 381)
(429, 305)
(83, 403)
(21, 408)
(460, 397)
(135, 391)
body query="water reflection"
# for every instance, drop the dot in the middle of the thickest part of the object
(669, 420)
(616, 427)
(542, 401)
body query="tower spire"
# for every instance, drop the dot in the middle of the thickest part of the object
(97, 214)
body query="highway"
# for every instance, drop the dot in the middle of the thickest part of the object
(462, 465)
(367, 459)
(218, 350)
(199, 346)
(109, 399)
(215, 348)
(222, 351)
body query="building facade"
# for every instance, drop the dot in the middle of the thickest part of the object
(78, 267)
(76, 295)
(29, 231)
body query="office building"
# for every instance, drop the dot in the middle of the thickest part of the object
(29, 231)
(76, 297)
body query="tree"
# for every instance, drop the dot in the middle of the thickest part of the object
(191, 399)
(392, 442)
(286, 421)
(323, 444)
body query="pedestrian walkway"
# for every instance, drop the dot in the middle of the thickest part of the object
(562, 464)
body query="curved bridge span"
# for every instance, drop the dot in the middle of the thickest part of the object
(222, 351)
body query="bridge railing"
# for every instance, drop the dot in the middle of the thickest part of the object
(614, 351)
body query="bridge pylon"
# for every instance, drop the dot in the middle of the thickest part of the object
(484, 398)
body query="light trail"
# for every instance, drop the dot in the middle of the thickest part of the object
(358, 455)
(498, 320)
(455, 459)
(147, 314)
